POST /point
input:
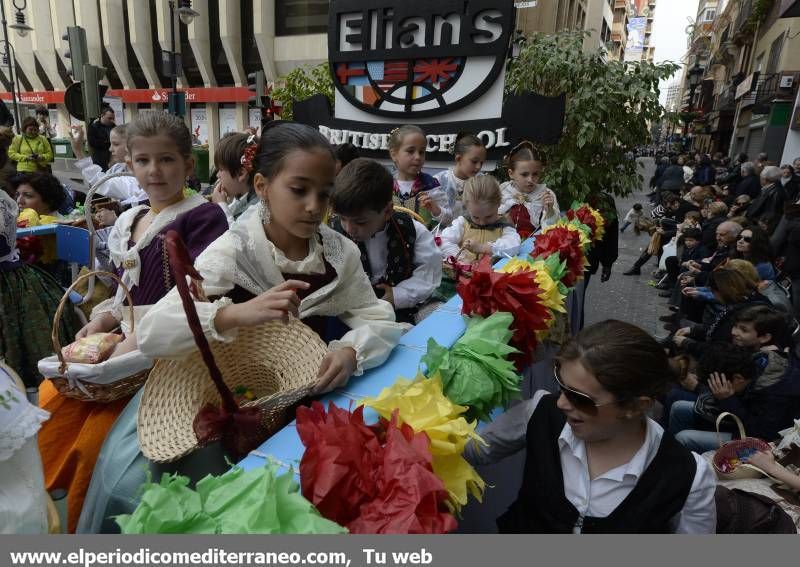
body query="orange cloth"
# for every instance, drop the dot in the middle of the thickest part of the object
(70, 442)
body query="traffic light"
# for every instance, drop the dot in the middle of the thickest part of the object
(257, 83)
(78, 52)
(93, 91)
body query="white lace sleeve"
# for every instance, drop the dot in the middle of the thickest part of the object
(555, 215)
(19, 419)
(164, 331)
(507, 198)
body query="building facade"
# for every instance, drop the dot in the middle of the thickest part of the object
(750, 59)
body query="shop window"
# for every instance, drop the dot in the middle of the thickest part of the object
(300, 17)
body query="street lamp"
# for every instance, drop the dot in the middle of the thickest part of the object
(9, 57)
(19, 19)
(186, 15)
(694, 78)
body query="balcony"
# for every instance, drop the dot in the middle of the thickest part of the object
(726, 100)
(769, 91)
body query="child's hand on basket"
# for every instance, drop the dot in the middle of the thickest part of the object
(335, 370)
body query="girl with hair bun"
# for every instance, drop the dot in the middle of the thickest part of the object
(469, 153)
(595, 461)
(530, 205)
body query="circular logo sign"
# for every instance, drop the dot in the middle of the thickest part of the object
(412, 57)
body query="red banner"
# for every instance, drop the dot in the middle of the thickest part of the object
(199, 95)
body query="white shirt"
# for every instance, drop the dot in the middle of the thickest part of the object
(600, 496)
(427, 267)
(508, 243)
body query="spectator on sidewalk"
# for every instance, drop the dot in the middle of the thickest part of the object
(99, 137)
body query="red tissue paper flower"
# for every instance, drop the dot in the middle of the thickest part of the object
(567, 244)
(370, 479)
(487, 292)
(589, 217)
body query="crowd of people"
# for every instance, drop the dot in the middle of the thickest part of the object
(295, 227)
(723, 233)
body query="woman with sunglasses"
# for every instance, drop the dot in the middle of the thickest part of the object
(753, 245)
(595, 462)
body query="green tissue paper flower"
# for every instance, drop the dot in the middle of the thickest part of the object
(239, 502)
(475, 372)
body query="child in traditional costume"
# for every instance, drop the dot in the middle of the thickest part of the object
(482, 231)
(159, 147)
(398, 253)
(470, 153)
(413, 188)
(528, 204)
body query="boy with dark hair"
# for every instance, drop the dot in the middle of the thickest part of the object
(398, 253)
(762, 331)
(728, 383)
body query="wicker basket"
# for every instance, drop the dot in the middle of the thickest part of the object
(278, 362)
(92, 392)
(731, 449)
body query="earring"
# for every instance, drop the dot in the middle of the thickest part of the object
(264, 213)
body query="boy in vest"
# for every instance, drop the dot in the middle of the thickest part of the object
(398, 253)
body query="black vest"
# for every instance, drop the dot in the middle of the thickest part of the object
(542, 506)
(401, 236)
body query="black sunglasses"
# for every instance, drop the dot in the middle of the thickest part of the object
(747, 239)
(582, 402)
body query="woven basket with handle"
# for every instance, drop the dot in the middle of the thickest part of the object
(732, 449)
(90, 391)
(275, 361)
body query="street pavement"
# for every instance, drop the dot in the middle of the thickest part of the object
(629, 298)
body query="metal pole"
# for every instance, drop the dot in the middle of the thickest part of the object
(11, 57)
(172, 54)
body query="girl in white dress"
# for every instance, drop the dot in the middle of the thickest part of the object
(530, 205)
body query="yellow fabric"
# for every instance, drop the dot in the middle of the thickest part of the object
(422, 405)
(480, 235)
(70, 442)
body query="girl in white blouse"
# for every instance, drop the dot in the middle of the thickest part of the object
(595, 462)
(284, 261)
(529, 205)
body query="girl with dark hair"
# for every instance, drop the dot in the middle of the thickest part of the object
(277, 263)
(470, 153)
(529, 204)
(595, 462)
(753, 245)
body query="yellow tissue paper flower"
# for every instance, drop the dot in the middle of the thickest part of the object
(422, 405)
(601, 224)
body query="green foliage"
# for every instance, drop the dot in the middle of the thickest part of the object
(302, 83)
(609, 108)
(759, 13)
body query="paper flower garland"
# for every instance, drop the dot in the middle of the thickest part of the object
(553, 293)
(590, 217)
(370, 479)
(422, 405)
(258, 501)
(565, 241)
(476, 372)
